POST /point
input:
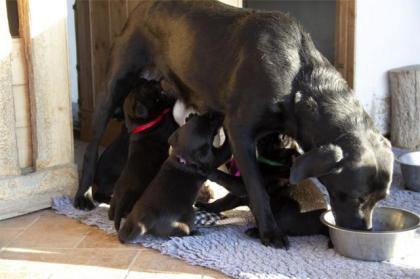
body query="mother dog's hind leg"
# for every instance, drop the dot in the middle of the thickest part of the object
(127, 60)
(243, 145)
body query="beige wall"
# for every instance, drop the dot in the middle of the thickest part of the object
(9, 164)
(36, 138)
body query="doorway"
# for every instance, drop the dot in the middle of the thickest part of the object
(330, 23)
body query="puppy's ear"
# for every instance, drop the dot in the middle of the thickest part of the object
(173, 139)
(316, 163)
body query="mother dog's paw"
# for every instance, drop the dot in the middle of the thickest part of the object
(275, 239)
(84, 203)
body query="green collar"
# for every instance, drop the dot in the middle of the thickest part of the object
(269, 162)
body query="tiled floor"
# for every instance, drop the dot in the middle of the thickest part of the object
(46, 245)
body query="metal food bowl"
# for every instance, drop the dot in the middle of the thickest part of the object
(410, 168)
(392, 233)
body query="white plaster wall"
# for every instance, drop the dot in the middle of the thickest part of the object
(387, 37)
(71, 41)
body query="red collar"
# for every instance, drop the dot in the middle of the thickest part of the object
(150, 124)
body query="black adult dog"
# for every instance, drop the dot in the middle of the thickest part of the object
(166, 206)
(263, 72)
(149, 127)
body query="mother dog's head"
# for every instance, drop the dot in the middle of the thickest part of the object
(344, 150)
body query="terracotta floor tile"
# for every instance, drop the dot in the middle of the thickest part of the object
(52, 231)
(7, 235)
(48, 245)
(109, 258)
(99, 239)
(153, 263)
(21, 222)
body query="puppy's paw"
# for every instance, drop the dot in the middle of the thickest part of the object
(202, 205)
(117, 219)
(275, 239)
(101, 198)
(195, 233)
(84, 203)
(252, 232)
(120, 206)
(208, 207)
(130, 231)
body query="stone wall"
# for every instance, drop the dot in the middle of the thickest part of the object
(36, 139)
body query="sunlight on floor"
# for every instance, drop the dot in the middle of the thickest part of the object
(30, 251)
(46, 245)
(30, 269)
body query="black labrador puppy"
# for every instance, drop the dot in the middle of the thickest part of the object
(262, 71)
(166, 206)
(297, 208)
(150, 122)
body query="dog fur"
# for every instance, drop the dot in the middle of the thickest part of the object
(147, 150)
(263, 72)
(297, 208)
(166, 206)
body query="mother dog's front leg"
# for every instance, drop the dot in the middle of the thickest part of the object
(243, 145)
(127, 59)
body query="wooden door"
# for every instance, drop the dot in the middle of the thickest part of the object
(98, 22)
(344, 55)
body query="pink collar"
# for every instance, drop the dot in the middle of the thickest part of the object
(150, 124)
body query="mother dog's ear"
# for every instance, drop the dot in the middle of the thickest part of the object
(317, 162)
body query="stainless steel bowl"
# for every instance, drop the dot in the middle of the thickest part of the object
(410, 168)
(392, 233)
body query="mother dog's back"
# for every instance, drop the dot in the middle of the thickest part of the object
(192, 38)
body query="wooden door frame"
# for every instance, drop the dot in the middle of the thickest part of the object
(344, 38)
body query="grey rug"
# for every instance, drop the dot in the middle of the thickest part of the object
(226, 248)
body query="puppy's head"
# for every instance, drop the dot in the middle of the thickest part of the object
(193, 142)
(357, 172)
(144, 103)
